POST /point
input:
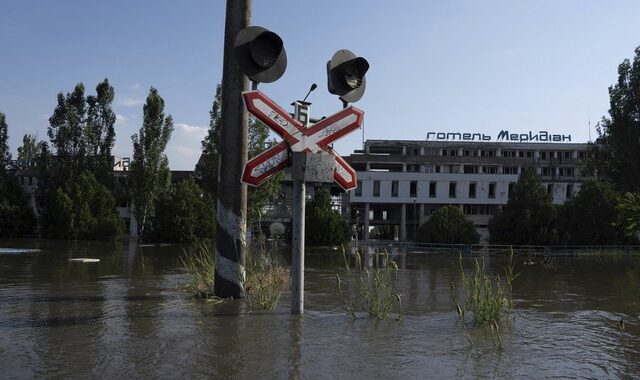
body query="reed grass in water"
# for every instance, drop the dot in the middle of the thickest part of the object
(201, 267)
(265, 279)
(488, 299)
(371, 290)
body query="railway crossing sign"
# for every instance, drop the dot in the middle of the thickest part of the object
(298, 138)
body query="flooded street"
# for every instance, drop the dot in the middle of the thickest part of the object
(128, 316)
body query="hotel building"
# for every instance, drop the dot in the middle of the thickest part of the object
(401, 182)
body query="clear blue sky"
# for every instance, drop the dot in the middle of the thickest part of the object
(463, 65)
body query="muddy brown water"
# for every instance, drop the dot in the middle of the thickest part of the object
(128, 316)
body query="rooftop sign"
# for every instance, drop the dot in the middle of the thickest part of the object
(541, 136)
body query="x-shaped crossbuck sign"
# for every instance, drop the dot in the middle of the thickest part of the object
(298, 138)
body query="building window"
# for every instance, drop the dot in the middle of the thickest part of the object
(394, 188)
(432, 189)
(453, 152)
(567, 154)
(413, 189)
(510, 170)
(489, 170)
(487, 153)
(472, 190)
(510, 189)
(567, 172)
(569, 191)
(550, 188)
(546, 171)
(376, 188)
(452, 189)
(437, 168)
(358, 192)
(508, 153)
(543, 156)
(470, 169)
(492, 190)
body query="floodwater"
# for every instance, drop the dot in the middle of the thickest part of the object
(128, 316)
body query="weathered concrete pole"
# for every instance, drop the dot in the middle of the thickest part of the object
(297, 259)
(232, 194)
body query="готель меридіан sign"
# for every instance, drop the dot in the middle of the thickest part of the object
(541, 136)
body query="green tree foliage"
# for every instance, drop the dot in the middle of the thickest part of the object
(66, 133)
(16, 215)
(81, 131)
(528, 217)
(5, 153)
(323, 225)
(28, 152)
(206, 170)
(629, 214)
(617, 154)
(87, 212)
(150, 175)
(184, 214)
(590, 217)
(448, 225)
(99, 132)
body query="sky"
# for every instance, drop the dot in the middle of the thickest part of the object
(477, 66)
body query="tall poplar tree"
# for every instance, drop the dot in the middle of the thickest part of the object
(5, 154)
(617, 152)
(150, 175)
(99, 132)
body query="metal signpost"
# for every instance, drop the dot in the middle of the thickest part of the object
(306, 150)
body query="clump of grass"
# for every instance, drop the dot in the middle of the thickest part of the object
(371, 290)
(201, 266)
(488, 299)
(265, 278)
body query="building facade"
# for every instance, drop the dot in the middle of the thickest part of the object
(401, 182)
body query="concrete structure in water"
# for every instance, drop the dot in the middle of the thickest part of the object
(401, 182)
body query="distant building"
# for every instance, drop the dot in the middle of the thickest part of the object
(400, 182)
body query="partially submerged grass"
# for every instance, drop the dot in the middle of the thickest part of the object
(487, 298)
(201, 266)
(371, 290)
(265, 279)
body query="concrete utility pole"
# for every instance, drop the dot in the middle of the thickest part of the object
(232, 194)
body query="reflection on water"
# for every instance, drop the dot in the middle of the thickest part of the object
(127, 316)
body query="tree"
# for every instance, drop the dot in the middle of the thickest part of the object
(150, 175)
(94, 210)
(629, 214)
(528, 217)
(87, 212)
(448, 225)
(66, 132)
(616, 155)
(99, 132)
(590, 217)
(323, 225)
(184, 214)
(16, 215)
(5, 154)
(28, 152)
(206, 170)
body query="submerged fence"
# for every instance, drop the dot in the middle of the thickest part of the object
(496, 249)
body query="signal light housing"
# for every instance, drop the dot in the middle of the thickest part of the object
(260, 54)
(346, 75)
